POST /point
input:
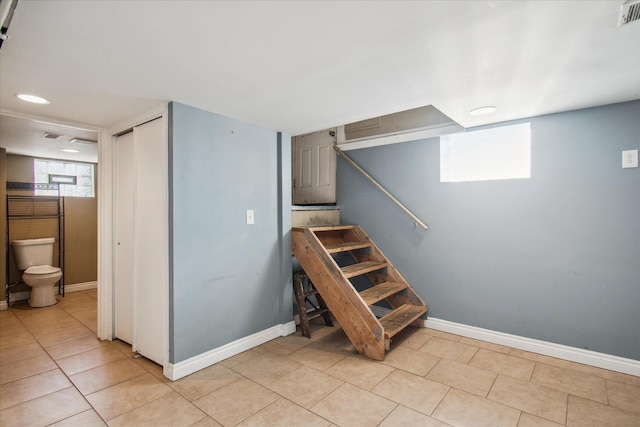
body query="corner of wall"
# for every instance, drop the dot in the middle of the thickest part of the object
(284, 225)
(3, 225)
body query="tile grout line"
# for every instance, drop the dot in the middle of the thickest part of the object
(110, 343)
(72, 383)
(389, 414)
(393, 369)
(61, 371)
(606, 390)
(493, 383)
(535, 366)
(440, 403)
(519, 418)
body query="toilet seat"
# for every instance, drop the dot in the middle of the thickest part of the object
(42, 269)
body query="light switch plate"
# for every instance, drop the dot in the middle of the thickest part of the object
(630, 159)
(250, 217)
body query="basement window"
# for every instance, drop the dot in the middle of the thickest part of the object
(73, 179)
(489, 154)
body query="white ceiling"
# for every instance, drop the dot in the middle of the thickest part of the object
(26, 137)
(298, 67)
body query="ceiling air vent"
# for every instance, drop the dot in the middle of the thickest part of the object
(50, 135)
(629, 12)
(82, 141)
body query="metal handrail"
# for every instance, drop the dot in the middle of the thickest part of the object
(415, 219)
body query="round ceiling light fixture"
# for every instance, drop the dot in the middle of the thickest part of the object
(32, 98)
(483, 111)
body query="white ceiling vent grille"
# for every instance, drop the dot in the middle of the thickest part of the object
(630, 12)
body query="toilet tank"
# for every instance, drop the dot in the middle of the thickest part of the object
(30, 252)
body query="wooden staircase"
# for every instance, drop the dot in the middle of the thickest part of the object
(314, 246)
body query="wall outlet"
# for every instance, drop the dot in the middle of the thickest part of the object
(250, 218)
(630, 159)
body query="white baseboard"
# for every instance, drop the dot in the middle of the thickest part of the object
(77, 287)
(573, 354)
(201, 361)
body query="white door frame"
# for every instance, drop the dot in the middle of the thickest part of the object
(106, 229)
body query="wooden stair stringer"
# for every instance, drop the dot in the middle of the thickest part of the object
(363, 329)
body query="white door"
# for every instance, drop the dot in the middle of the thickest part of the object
(141, 251)
(314, 168)
(151, 236)
(124, 205)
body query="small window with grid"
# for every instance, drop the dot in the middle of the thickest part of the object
(73, 179)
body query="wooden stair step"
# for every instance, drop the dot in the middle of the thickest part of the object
(400, 318)
(362, 268)
(347, 246)
(381, 291)
(316, 228)
(316, 312)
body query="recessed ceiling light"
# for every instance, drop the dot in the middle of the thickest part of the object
(481, 111)
(32, 98)
(69, 150)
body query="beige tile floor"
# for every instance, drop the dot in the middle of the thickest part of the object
(54, 371)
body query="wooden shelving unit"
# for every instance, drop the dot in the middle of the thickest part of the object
(34, 208)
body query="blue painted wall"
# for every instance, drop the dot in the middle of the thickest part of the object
(555, 257)
(228, 280)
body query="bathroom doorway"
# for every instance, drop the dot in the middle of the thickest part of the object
(35, 153)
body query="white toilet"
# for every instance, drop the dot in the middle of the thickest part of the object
(34, 257)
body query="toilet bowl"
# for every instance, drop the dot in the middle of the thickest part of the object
(33, 257)
(42, 279)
